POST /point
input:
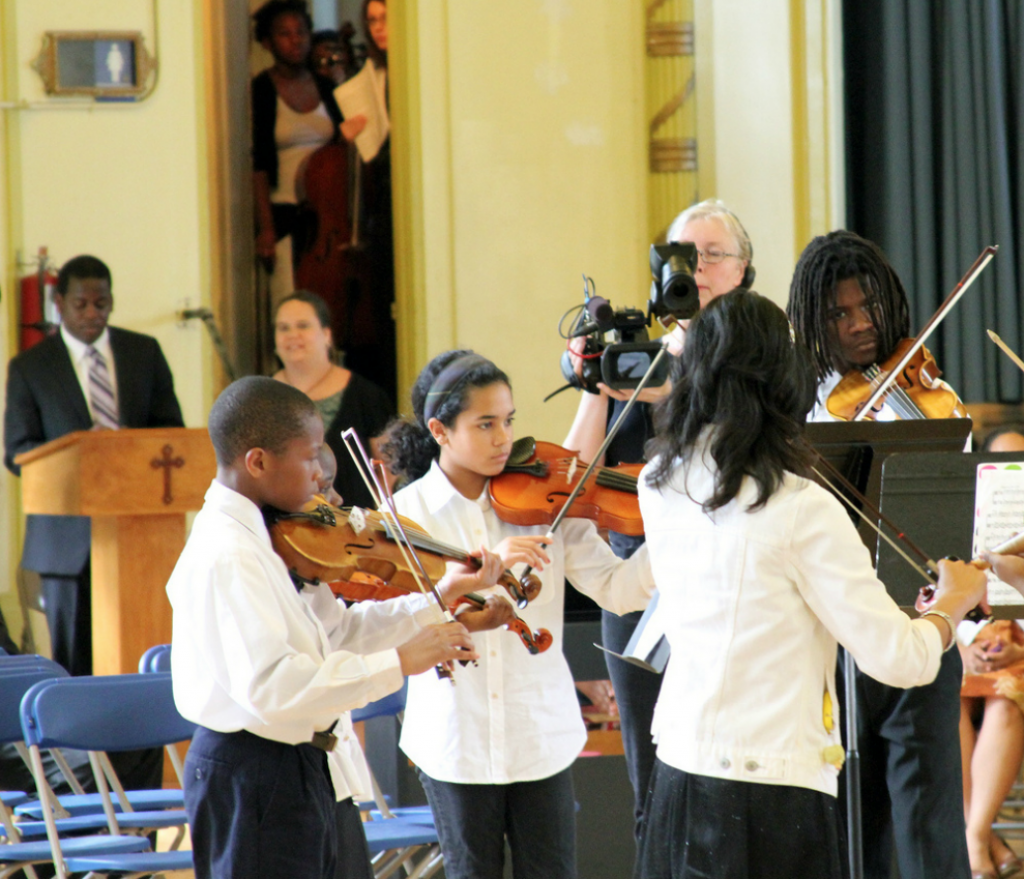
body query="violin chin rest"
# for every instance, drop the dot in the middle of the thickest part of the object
(522, 450)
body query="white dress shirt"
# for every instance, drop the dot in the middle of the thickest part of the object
(753, 604)
(80, 360)
(514, 717)
(251, 653)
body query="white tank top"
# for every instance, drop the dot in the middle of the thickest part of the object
(297, 135)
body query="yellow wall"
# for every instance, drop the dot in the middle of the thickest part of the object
(125, 182)
(525, 148)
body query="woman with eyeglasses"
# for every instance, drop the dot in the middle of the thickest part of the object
(724, 254)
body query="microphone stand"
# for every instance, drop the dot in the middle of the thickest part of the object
(854, 818)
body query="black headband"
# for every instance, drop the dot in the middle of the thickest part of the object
(448, 380)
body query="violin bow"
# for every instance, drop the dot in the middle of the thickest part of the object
(614, 429)
(928, 568)
(376, 483)
(976, 269)
(385, 502)
(1007, 350)
(377, 493)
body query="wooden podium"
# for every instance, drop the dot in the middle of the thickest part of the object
(137, 486)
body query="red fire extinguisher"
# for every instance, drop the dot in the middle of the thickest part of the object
(37, 318)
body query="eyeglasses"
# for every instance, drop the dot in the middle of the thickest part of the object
(713, 257)
(335, 60)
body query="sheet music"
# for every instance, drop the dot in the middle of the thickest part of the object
(998, 514)
(363, 94)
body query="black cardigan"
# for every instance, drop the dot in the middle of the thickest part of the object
(264, 118)
(368, 409)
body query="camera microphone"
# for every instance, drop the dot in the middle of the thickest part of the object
(602, 317)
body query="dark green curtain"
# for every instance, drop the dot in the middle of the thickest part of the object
(935, 157)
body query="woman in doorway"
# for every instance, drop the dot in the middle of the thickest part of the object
(304, 345)
(293, 114)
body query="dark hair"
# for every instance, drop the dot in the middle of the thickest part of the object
(742, 375)
(324, 36)
(986, 446)
(83, 268)
(379, 56)
(323, 311)
(256, 412)
(267, 14)
(840, 256)
(323, 315)
(408, 446)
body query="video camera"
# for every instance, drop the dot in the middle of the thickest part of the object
(622, 362)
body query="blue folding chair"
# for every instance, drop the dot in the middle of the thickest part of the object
(109, 713)
(156, 659)
(20, 850)
(79, 802)
(403, 837)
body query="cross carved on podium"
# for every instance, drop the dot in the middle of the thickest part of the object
(166, 463)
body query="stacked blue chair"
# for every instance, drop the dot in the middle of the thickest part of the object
(109, 713)
(403, 837)
(15, 852)
(156, 659)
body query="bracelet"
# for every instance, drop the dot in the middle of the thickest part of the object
(942, 615)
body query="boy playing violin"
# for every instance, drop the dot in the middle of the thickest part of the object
(848, 304)
(269, 671)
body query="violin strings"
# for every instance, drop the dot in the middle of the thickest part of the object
(897, 398)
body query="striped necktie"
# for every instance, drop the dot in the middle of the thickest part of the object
(101, 392)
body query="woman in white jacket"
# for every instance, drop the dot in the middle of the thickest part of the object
(761, 573)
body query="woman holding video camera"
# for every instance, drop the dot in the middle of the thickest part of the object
(724, 253)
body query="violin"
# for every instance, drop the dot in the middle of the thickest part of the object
(366, 587)
(914, 394)
(356, 547)
(333, 262)
(539, 477)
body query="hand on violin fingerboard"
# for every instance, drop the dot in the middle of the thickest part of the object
(461, 579)
(434, 645)
(496, 612)
(525, 549)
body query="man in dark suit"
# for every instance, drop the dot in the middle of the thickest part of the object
(86, 377)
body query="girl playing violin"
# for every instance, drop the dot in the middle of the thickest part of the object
(848, 305)
(494, 752)
(760, 573)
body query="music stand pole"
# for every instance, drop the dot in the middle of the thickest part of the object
(854, 819)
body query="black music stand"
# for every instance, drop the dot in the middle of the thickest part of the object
(932, 496)
(859, 450)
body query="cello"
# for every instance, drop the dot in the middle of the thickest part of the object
(332, 261)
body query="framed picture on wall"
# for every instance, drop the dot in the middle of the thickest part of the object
(95, 63)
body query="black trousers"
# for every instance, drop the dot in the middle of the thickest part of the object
(67, 602)
(538, 818)
(697, 827)
(259, 809)
(911, 783)
(636, 692)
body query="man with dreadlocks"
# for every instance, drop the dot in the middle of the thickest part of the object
(850, 308)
